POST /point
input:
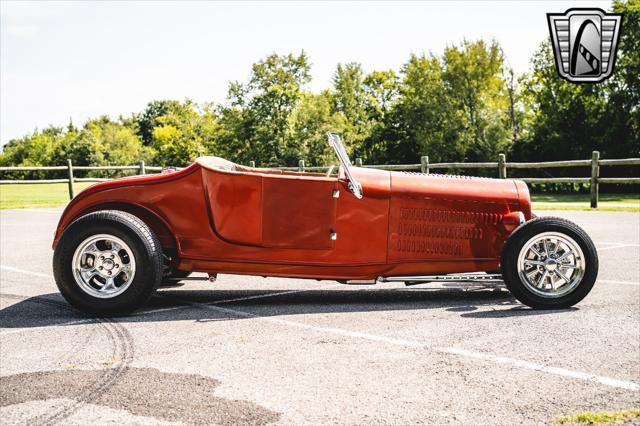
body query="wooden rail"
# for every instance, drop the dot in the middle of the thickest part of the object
(424, 166)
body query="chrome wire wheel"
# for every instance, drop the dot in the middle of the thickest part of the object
(551, 264)
(103, 266)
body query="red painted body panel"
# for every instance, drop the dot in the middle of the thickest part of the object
(272, 223)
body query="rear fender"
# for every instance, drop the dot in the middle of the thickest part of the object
(158, 225)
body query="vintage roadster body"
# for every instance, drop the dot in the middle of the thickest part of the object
(359, 225)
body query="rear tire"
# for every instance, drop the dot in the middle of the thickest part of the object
(108, 242)
(549, 263)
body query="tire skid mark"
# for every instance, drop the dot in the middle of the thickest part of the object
(88, 336)
(122, 350)
(66, 357)
(122, 345)
(42, 300)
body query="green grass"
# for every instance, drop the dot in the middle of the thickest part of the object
(55, 195)
(599, 418)
(18, 196)
(606, 202)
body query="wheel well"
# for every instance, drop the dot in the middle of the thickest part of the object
(151, 219)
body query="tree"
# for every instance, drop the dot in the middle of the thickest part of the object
(102, 142)
(185, 133)
(350, 101)
(267, 103)
(623, 110)
(147, 121)
(564, 120)
(381, 91)
(473, 75)
(313, 118)
(36, 149)
(426, 118)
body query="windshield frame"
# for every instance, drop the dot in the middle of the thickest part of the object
(336, 144)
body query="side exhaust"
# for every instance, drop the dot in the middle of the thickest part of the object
(472, 278)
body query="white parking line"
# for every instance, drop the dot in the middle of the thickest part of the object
(618, 243)
(280, 293)
(636, 283)
(331, 330)
(616, 247)
(155, 311)
(34, 210)
(43, 211)
(23, 271)
(516, 363)
(607, 381)
(22, 330)
(237, 299)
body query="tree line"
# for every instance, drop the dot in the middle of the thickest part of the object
(464, 104)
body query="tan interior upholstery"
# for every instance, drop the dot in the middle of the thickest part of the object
(220, 164)
(217, 163)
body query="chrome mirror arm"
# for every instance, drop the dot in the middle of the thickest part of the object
(354, 186)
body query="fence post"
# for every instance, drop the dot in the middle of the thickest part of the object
(142, 170)
(358, 162)
(424, 164)
(301, 165)
(595, 175)
(502, 166)
(252, 164)
(70, 176)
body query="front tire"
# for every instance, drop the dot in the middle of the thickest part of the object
(108, 263)
(549, 263)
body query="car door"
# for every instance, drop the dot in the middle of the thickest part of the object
(299, 211)
(272, 209)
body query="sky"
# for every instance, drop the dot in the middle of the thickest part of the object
(77, 60)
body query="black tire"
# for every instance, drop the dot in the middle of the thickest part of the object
(528, 230)
(147, 253)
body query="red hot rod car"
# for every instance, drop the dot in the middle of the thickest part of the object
(118, 241)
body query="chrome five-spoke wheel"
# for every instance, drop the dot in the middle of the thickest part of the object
(107, 262)
(103, 266)
(551, 264)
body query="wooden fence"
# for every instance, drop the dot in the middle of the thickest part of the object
(501, 166)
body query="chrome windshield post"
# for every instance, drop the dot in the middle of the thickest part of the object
(353, 184)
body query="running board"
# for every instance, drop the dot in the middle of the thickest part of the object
(457, 278)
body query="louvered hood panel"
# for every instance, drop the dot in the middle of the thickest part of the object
(436, 217)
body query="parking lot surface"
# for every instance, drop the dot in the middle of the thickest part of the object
(260, 351)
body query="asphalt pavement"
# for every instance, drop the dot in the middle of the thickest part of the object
(250, 350)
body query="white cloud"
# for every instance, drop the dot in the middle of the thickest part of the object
(23, 31)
